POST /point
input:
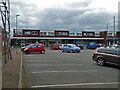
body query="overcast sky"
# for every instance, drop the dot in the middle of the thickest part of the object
(74, 15)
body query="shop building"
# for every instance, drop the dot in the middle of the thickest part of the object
(47, 38)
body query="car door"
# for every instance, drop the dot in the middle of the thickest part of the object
(69, 48)
(33, 49)
(65, 47)
(119, 57)
(57, 46)
(39, 48)
(53, 47)
(111, 56)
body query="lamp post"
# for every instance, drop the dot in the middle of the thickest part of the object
(16, 33)
(107, 36)
(114, 29)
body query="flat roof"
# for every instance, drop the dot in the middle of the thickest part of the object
(56, 38)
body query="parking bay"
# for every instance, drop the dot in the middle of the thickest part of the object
(58, 69)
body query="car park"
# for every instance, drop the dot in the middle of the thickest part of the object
(70, 48)
(36, 48)
(55, 47)
(106, 55)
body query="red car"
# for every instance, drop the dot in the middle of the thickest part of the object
(37, 48)
(55, 46)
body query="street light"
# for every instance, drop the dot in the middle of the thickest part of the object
(16, 32)
(107, 35)
(114, 29)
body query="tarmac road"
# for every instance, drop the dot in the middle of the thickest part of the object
(56, 69)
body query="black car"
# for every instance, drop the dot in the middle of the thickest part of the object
(80, 46)
(105, 55)
(22, 48)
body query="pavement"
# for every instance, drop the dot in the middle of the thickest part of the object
(56, 69)
(11, 70)
(0, 71)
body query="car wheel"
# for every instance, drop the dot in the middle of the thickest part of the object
(27, 52)
(100, 61)
(62, 50)
(42, 52)
(71, 51)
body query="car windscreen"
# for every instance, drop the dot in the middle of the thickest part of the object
(57, 45)
(30, 45)
(73, 46)
(65, 45)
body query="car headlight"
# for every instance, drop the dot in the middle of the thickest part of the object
(25, 49)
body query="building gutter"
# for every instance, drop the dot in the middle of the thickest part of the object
(57, 38)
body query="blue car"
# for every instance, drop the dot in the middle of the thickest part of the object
(92, 46)
(70, 48)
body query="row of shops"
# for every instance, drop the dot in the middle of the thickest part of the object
(49, 42)
(63, 37)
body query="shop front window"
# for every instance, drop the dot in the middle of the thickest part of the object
(34, 33)
(64, 33)
(59, 33)
(27, 33)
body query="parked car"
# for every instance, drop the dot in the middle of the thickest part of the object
(70, 48)
(55, 46)
(36, 48)
(92, 46)
(106, 55)
(80, 46)
(22, 48)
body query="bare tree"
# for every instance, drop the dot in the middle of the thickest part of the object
(5, 15)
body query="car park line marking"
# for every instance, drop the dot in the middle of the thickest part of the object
(50, 64)
(38, 60)
(44, 60)
(79, 84)
(67, 71)
(20, 75)
(29, 55)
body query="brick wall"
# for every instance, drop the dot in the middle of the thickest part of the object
(2, 41)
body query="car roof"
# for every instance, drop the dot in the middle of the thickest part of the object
(36, 44)
(109, 48)
(70, 44)
(56, 44)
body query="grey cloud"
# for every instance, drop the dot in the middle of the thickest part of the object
(52, 18)
(78, 4)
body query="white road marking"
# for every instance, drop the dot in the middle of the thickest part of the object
(51, 64)
(49, 60)
(67, 71)
(20, 75)
(29, 55)
(80, 84)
